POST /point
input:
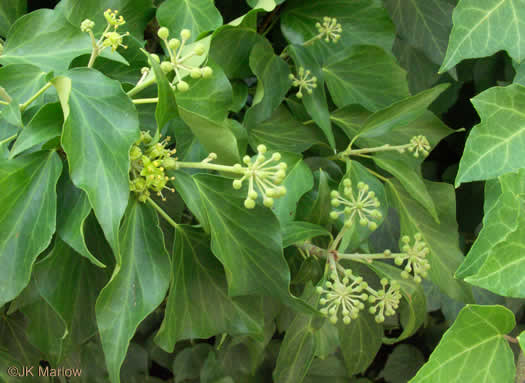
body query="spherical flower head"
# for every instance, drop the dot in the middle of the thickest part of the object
(87, 25)
(342, 295)
(112, 19)
(415, 257)
(387, 300)
(329, 30)
(114, 40)
(304, 81)
(419, 144)
(163, 33)
(363, 207)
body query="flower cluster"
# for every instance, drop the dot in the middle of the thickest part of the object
(179, 62)
(110, 37)
(304, 81)
(149, 161)
(364, 206)
(264, 173)
(416, 257)
(386, 301)
(346, 294)
(419, 144)
(330, 29)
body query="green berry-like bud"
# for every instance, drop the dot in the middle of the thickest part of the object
(163, 33)
(404, 274)
(252, 194)
(363, 221)
(334, 194)
(319, 290)
(372, 225)
(335, 202)
(166, 66)
(261, 149)
(348, 223)
(183, 86)
(86, 26)
(199, 50)
(276, 156)
(195, 73)
(174, 43)
(346, 320)
(398, 261)
(169, 163)
(155, 58)
(185, 34)
(207, 72)
(333, 215)
(268, 202)
(249, 203)
(299, 95)
(237, 184)
(333, 319)
(347, 182)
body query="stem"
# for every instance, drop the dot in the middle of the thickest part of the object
(312, 40)
(378, 175)
(366, 257)
(162, 213)
(141, 86)
(384, 148)
(6, 140)
(3, 103)
(520, 368)
(208, 166)
(94, 51)
(337, 239)
(35, 96)
(146, 100)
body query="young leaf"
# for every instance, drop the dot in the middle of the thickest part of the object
(198, 305)
(473, 349)
(138, 285)
(27, 217)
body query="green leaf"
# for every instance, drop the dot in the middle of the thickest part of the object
(282, 132)
(491, 150)
(188, 363)
(198, 305)
(299, 344)
(198, 16)
(298, 181)
(136, 13)
(267, 5)
(316, 104)
(475, 31)
(402, 364)
(100, 125)
(272, 85)
(476, 335)
(21, 81)
(412, 309)
(442, 239)
(45, 38)
(360, 342)
(188, 190)
(137, 287)
(27, 217)
(400, 113)
(424, 24)
(295, 231)
(204, 108)
(9, 12)
(73, 209)
(240, 95)
(319, 203)
(45, 125)
(364, 22)
(365, 75)
(247, 242)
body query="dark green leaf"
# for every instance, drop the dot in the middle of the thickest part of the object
(402, 364)
(9, 12)
(295, 231)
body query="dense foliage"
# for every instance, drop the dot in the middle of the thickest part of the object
(258, 191)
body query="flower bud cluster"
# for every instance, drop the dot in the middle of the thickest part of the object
(149, 162)
(179, 62)
(416, 257)
(364, 206)
(419, 144)
(329, 30)
(346, 294)
(109, 38)
(304, 81)
(386, 301)
(265, 174)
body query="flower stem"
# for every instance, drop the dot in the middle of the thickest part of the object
(208, 166)
(141, 86)
(162, 213)
(384, 148)
(35, 96)
(146, 100)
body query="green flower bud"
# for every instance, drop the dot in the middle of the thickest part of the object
(249, 203)
(237, 184)
(207, 72)
(268, 202)
(166, 66)
(163, 33)
(183, 86)
(252, 194)
(334, 215)
(174, 43)
(195, 73)
(155, 57)
(199, 50)
(185, 34)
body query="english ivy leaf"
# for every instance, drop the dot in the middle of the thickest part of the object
(315, 208)
(273, 83)
(477, 336)
(474, 33)
(298, 181)
(138, 285)
(295, 231)
(442, 239)
(364, 22)
(21, 81)
(207, 116)
(45, 38)
(282, 132)
(45, 125)
(189, 362)
(27, 218)
(136, 13)
(267, 5)
(365, 75)
(425, 24)
(188, 190)
(402, 364)
(247, 242)
(9, 12)
(493, 147)
(521, 339)
(328, 370)
(196, 15)
(412, 309)
(198, 304)
(316, 104)
(73, 209)
(100, 125)
(360, 342)
(240, 95)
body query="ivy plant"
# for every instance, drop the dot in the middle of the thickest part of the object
(203, 191)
